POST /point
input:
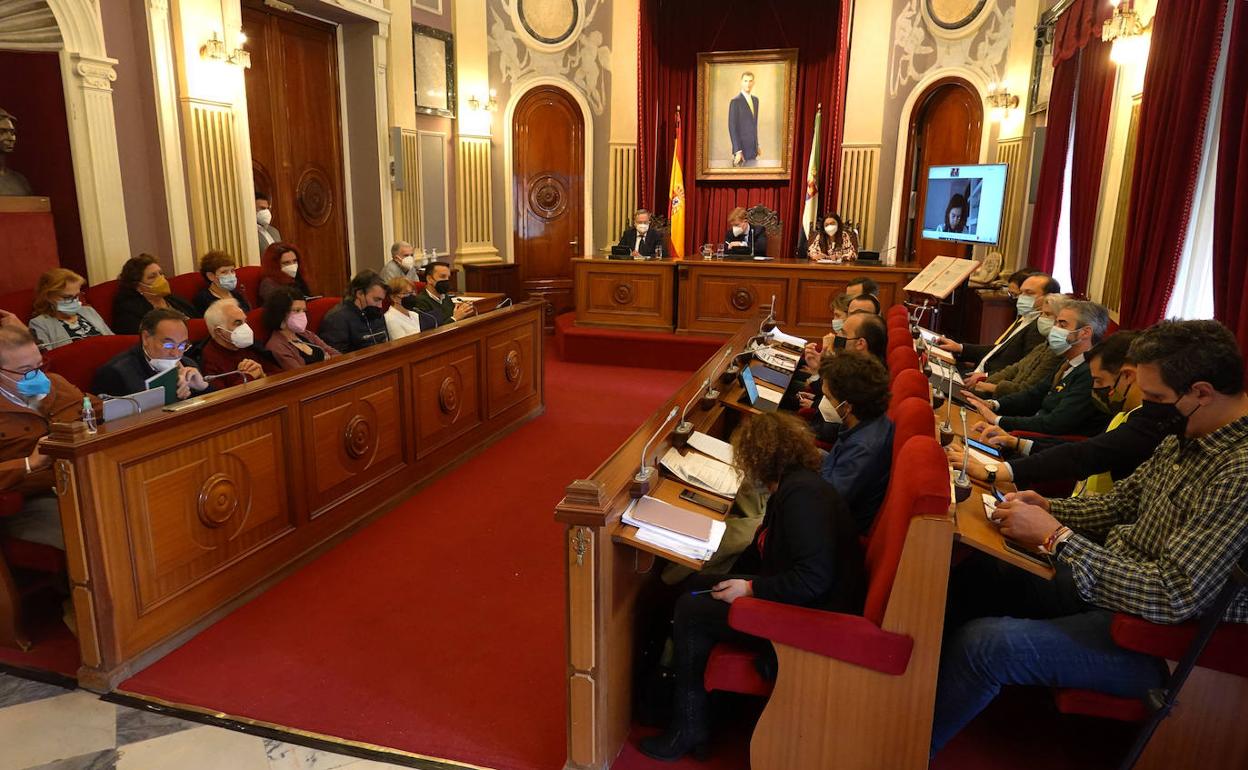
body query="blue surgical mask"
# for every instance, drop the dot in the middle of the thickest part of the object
(228, 282)
(838, 324)
(34, 384)
(1025, 304)
(1045, 325)
(68, 306)
(1059, 340)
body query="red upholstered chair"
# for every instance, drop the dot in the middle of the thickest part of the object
(19, 303)
(912, 417)
(78, 361)
(317, 309)
(40, 565)
(864, 675)
(249, 283)
(897, 311)
(253, 320)
(899, 338)
(901, 359)
(186, 285)
(196, 330)
(100, 297)
(909, 383)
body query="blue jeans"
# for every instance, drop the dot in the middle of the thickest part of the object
(1071, 650)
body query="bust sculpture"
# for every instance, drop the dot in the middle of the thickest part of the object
(11, 182)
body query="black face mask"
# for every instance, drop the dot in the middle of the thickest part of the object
(1169, 419)
(1100, 396)
(442, 287)
(372, 313)
(409, 302)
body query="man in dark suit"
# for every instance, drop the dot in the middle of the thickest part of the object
(742, 238)
(1017, 340)
(743, 123)
(1065, 405)
(162, 341)
(640, 239)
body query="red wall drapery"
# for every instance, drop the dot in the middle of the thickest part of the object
(1230, 222)
(1177, 89)
(671, 34)
(1077, 26)
(1093, 105)
(1048, 209)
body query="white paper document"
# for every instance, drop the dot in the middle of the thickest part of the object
(682, 545)
(703, 472)
(788, 339)
(711, 447)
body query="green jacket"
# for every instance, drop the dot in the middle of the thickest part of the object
(443, 311)
(1039, 365)
(1063, 409)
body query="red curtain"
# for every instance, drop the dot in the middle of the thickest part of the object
(1093, 105)
(1230, 223)
(671, 33)
(1177, 87)
(1048, 209)
(1077, 26)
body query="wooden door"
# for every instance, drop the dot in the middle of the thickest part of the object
(296, 138)
(945, 130)
(548, 145)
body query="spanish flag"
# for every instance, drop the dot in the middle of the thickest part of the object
(676, 199)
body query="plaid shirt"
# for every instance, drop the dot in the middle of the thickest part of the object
(1171, 531)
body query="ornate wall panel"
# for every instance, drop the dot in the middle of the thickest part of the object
(860, 168)
(214, 177)
(408, 226)
(1015, 154)
(473, 196)
(510, 369)
(621, 190)
(447, 398)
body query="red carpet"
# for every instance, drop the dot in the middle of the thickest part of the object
(438, 629)
(647, 350)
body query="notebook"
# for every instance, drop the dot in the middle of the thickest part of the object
(666, 516)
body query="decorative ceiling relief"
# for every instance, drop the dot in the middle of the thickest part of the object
(547, 38)
(931, 35)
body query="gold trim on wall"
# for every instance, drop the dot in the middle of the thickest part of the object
(1015, 154)
(1111, 293)
(214, 179)
(621, 191)
(856, 199)
(473, 195)
(408, 226)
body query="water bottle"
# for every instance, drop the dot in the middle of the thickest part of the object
(88, 415)
(658, 251)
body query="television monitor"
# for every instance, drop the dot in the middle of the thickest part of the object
(964, 203)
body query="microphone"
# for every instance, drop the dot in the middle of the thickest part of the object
(946, 427)
(769, 323)
(505, 302)
(239, 372)
(962, 484)
(680, 436)
(645, 473)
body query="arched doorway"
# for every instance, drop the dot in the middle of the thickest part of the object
(548, 194)
(945, 128)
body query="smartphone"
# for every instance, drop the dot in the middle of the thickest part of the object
(719, 506)
(997, 494)
(987, 449)
(1027, 553)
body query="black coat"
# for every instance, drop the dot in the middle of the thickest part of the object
(743, 126)
(809, 552)
(649, 241)
(125, 373)
(204, 297)
(129, 307)
(1118, 452)
(347, 328)
(1012, 350)
(756, 237)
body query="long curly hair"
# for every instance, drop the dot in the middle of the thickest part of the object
(769, 445)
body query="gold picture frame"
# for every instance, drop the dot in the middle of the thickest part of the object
(739, 139)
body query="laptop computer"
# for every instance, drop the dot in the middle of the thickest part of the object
(762, 399)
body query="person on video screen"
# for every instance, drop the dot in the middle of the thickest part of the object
(956, 214)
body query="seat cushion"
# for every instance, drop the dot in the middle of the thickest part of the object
(23, 554)
(731, 668)
(1097, 704)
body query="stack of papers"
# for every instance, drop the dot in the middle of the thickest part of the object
(947, 371)
(788, 340)
(703, 472)
(677, 530)
(780, 360)
(711, 447)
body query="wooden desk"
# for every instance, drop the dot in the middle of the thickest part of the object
(173, 519)
(606, 576)
(716, 296)
(625, 293)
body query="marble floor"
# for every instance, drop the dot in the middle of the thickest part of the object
(50, 728)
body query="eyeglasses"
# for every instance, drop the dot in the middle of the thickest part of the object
(23, 372)
(75, 295)
(181, 347)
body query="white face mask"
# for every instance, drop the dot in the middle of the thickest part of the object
(292, 270)
(407, 262)
(737, 229)
(242, 336)
(264, 217)
(643, 227)
(830, 229)
(163, 364)
(827, 410)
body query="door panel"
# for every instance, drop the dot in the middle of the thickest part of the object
(944, 131)
(296, 138)
(548, 141)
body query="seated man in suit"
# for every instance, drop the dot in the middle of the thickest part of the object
(162, 341)
(862, 285)
(436, 302)
(266, 233)
(742, 238)
(640, 240)
(358, 321)
(866, 303)
(1017, 340)
(231, 356)
(1160, 545)
(1063, 405)
(32, 401)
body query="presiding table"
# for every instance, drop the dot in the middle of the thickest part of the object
(715, 296)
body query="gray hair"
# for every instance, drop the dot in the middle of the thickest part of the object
(399, 246)
(1090, 314)
(214, 316)
(1053, 302)
(639, 212)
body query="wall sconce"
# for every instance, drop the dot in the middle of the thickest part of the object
(1001, 101)
(213, 49)
(1126, 32)
(240, 57)
(491, 106)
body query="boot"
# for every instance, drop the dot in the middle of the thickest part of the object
(687, 734)
(672, 745)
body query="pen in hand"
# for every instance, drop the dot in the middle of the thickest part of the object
(699, 593)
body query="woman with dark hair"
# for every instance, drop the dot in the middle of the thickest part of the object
(805, 553)
(282, 265)
(956, 215)
(142, 287)
(291, 343)
(220, 281)
(832, 241)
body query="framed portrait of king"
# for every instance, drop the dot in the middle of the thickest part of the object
(745, 114)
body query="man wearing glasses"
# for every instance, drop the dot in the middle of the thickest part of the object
(31, 401)
(162, 342)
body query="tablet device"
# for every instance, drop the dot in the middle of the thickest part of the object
(987, 449)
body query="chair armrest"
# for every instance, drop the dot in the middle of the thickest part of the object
(1223, 653)
(11, 502)
(849, 638)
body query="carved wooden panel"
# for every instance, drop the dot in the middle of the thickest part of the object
(198, 507)
(510, 369)
(625, 293)
(447, 398)
(352, 436)
(734, 298)
(815, 296)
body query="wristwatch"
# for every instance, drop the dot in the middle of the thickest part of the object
(991, 470)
